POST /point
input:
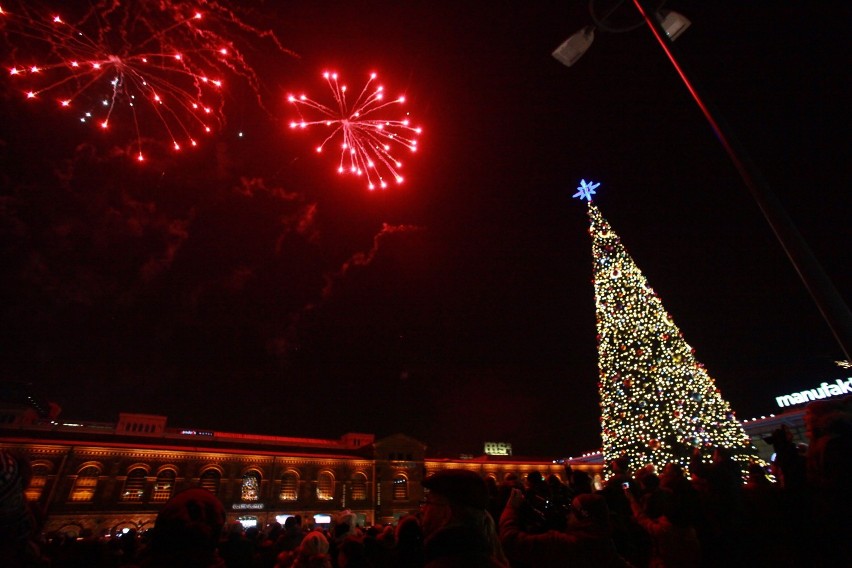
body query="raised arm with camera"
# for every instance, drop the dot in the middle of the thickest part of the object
(587, 540)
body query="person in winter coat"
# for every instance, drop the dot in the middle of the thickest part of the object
(586, 543)
(457, 529)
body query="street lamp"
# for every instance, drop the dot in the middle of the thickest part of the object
(667, 26)
(573, 48)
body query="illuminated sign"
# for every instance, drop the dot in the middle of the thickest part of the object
(825, 390)
(244, 506)
(498, 449)
(196, 432)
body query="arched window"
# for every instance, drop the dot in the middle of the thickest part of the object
(400, 488)
(359, 486)
(134, 485)
(289, 486)
(72, 530)
(37, 482)
(325, 486)
(210, 481)
(251, 486)
(163, 486)
(85, 484)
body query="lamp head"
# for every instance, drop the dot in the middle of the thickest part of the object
(673, 23)
(575, 46)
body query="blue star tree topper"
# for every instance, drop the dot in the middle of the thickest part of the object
(586, 190)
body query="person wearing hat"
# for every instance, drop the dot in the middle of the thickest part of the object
(586, 542)
(186, 532)
(458, 531)
(313, 552)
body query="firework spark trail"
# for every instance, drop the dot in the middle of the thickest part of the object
(367, 140)
(160, 63)
(175, 93)
(362, 259)
(227, 17)
(288, 341)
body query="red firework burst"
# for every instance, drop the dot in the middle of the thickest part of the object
(157, 68)
(367, 141)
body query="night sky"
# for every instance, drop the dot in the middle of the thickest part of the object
(246, 286)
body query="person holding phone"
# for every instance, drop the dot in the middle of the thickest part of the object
(674, 540)
(586, 542)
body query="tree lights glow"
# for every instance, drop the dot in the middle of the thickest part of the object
(154, 69)
(367, 139)
(657, 401)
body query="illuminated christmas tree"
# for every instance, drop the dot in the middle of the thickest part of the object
(657, 401)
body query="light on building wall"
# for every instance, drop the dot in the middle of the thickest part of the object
(248, 522)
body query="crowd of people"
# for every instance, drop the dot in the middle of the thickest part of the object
(794, 515)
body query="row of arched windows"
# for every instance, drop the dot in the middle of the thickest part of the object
(86, 482)
(134, 485)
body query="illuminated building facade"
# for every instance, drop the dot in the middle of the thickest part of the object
(105, 477)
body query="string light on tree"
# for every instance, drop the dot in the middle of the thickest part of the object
(657, 401)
